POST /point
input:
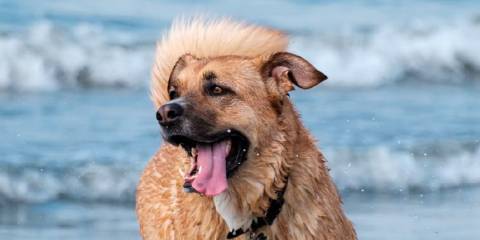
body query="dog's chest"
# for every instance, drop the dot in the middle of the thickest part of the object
(231, 211)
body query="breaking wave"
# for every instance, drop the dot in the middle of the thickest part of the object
(424, 168)
(47, 57)
(381, 169)
(103, 183)
(441, 54)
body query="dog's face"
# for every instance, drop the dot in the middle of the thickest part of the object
(222, 108)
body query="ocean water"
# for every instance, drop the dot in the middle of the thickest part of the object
(398, 119)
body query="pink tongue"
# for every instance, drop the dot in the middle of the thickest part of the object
(212, 179)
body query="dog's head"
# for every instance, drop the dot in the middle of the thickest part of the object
(221, 108)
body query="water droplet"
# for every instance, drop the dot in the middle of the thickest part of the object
(258, 154)
(425, 154)
(362, 190)
(349, 164)
(244, 150)
(229, 130)
(296, 156)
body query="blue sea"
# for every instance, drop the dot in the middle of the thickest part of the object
(398, 119)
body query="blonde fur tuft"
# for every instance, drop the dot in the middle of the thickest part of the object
(209, 38)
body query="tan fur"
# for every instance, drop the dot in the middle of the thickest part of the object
(208, 38)
(280, 146)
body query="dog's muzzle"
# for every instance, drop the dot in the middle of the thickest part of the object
(215, 152)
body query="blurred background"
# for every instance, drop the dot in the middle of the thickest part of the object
(398, 119)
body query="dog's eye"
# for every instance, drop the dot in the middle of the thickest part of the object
(172, 94)
(216, 90)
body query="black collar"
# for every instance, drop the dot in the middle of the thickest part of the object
(270, 216)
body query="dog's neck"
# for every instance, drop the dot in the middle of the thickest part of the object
(311, 194)
(249, 197)
(290, 151)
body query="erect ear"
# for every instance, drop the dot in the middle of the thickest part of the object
(287, 69)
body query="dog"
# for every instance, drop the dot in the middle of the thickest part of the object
(236, 162)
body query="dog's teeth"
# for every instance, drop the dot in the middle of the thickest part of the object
(229, 146)
(194, 152)
(199, 170)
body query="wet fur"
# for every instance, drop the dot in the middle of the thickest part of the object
(207, 38)
(281, 146)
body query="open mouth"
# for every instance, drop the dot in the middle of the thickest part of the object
(213, 159)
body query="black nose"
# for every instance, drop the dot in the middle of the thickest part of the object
(169, 114)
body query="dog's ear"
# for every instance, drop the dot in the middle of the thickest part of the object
(287, 69)
(181, 63)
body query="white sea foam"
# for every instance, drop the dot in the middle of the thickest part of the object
(46, 57)
(382, 169)
(86, 183)
(447, 53)
(379, 169)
